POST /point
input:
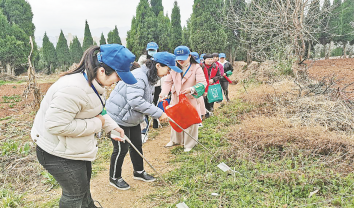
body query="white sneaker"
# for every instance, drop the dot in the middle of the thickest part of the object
(187, 149)
(144, 138)
(200, 125)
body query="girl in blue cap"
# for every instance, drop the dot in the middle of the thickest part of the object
(151, 49)
(191, 82)
(70, 114)
(127, 105)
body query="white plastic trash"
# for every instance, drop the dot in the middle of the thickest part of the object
(214, 194)
(182, 205)
(224, 167)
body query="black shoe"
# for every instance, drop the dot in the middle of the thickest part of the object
(119, 183)
(143, 176)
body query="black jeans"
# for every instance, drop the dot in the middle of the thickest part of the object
(120, 149)
(72, 175)
(208, 106)
(157, 92)
(225, 86)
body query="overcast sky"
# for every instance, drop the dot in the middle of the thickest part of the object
(51, 16)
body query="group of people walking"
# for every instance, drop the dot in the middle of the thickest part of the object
(74, 110)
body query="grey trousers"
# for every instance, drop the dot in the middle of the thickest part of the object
(73, 176)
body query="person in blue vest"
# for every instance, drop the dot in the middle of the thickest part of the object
(71, 113)
(127, 105)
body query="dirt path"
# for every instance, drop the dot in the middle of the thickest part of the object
(156, 154)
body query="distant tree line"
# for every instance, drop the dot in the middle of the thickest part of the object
(255, 30)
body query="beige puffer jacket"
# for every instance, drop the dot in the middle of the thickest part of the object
(65, 124)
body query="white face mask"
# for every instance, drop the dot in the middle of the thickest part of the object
(152, 53)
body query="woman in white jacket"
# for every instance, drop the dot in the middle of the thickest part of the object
(70, 114)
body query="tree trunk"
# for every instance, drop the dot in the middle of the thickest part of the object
(309, 51)
(328, 51)
(345, 50)
(8, 69)
(2, 68)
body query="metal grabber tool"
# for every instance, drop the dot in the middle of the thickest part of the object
(141, 155)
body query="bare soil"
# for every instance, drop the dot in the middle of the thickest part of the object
(340, 69)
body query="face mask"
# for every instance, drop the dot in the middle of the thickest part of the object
(152, 53)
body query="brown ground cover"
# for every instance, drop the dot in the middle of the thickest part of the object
(341, 69)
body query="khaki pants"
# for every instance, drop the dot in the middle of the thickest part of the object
(185, 139)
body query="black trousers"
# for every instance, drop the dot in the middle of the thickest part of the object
(225, 86)
(155, 123)
(208, 106)
(120, 149)
(73, 177)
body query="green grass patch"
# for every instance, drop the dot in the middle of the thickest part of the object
(10, 147)
(2, 82)
(10, 199)
(11, 99)
(274, 180)
(5, 118)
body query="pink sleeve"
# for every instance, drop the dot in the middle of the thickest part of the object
(166, 85)
(200, 77)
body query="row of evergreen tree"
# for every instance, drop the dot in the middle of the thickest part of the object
(206, 31)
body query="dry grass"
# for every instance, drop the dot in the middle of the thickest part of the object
(258, 136)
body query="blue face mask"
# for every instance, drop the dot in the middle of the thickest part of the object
(152, 53)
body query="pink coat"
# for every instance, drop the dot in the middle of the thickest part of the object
(174, 83)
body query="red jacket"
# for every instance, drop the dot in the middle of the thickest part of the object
(212, 73)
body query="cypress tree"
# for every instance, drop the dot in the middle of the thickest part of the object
(156, 6)
(176, 28)
(63, 53)
(311, 17)
(207, 34)
(233, 46)
(186, 33)
(49, 54)
(75, 50)
(324, 36)
(88, 40)
(113, 36)
(348, 21)
(19, 12)
(163, 29)
(102, 40)
(11, 48)
(142, 29)
(336, 21)
(131, 34)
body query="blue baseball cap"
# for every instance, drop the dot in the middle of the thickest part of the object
(152, 45)
(196, 56)
(182, 53)
(222, 55)
(118, 58)
(167, 59)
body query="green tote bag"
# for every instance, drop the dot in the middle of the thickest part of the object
(214, 93)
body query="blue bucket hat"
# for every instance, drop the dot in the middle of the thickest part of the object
(182, 53)
(202, 56)
(167, 59)
(222, 55)
(196, 56)
(118, 58)
(152, 45)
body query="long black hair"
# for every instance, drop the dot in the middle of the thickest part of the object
(90, 63)
(152, 72)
